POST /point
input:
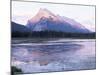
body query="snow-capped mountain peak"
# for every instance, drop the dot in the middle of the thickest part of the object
(43, 13)
(46, 20)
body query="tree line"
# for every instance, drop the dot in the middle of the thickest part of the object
(52, 34)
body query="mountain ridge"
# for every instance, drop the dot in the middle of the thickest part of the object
(46, 20)
(15, 27)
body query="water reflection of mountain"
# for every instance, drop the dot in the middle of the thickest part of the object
(55, 55)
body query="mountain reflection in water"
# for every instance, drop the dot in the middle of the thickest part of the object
(59, 55)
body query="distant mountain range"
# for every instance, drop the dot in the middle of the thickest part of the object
(45, 22)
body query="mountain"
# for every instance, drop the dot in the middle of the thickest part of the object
(19, 28)
(45, 20)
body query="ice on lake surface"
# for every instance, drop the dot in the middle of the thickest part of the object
(46, 55)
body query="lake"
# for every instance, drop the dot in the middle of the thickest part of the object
(53, 54)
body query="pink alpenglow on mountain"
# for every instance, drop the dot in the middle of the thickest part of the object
(46, 20)
(43, 13)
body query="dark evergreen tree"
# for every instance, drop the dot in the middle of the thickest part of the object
(15, 71)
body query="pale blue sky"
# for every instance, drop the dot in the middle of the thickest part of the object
(23, 11)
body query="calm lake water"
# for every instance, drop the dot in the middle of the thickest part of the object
(46, 55)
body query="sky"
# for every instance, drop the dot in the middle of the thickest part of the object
(23, 11)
